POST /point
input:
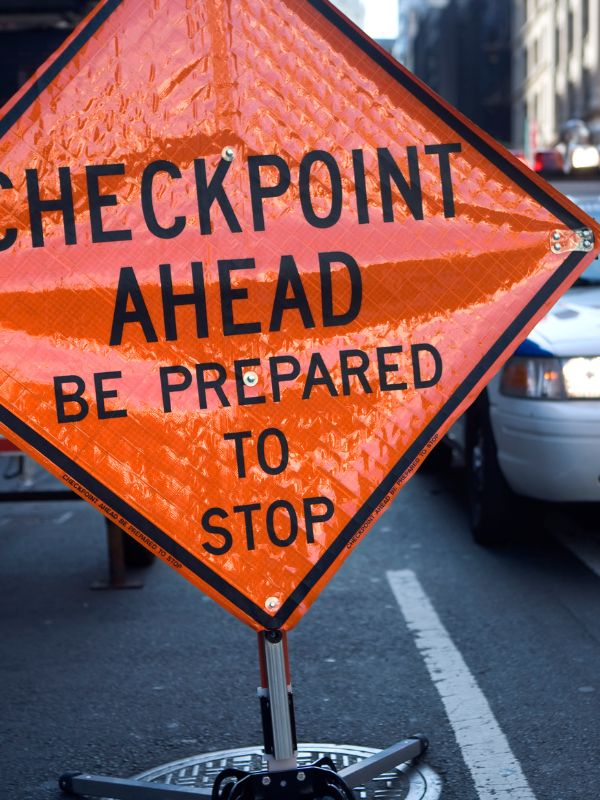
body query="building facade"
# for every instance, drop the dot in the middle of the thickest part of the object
(30, 31)
(461, 49)
(556, 69)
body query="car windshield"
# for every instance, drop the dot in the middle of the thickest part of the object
(591, 277)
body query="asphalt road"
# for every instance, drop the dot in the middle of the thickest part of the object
(494, 655)
(576, 187)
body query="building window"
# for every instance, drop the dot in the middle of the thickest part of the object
(586, 86)
(570, 26)
(585, 18)
(557, 53)
(571, 100)
(560, 110)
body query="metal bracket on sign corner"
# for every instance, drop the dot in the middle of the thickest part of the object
(569, 241)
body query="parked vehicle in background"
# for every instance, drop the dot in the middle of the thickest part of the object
(19, 475)
(535, 430)
(520, 154)
(578, 148)
(548, 162)
(582, 157)
(14, 465)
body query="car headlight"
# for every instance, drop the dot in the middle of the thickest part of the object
(585, 157)
(552, 378)
(582, 377)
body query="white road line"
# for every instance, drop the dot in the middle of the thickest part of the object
(582, 545)
(63, 518)
(485, 749)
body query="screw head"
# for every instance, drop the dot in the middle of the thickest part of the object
(556, 247)
(556, 235)
(272, 603)
(587, 244)
(250, 378)
(266, 781)
(301, 776)
(228, 154)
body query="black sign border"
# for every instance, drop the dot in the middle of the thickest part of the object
(88, 482)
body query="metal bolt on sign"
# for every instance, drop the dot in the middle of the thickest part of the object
(250, 378)
(572, 241)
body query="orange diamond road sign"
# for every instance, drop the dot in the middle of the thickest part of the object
(252, 270)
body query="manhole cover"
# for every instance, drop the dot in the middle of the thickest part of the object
(404, 782)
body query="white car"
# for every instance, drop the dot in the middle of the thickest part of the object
(535, 431)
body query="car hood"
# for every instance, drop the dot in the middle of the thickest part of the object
(571, 327)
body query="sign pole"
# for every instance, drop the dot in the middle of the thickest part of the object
(277, 708)
(117, 567)
(283, 778)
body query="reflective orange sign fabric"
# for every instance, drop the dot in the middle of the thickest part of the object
(251, 271)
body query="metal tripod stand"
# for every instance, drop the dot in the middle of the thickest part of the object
(283, 779)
